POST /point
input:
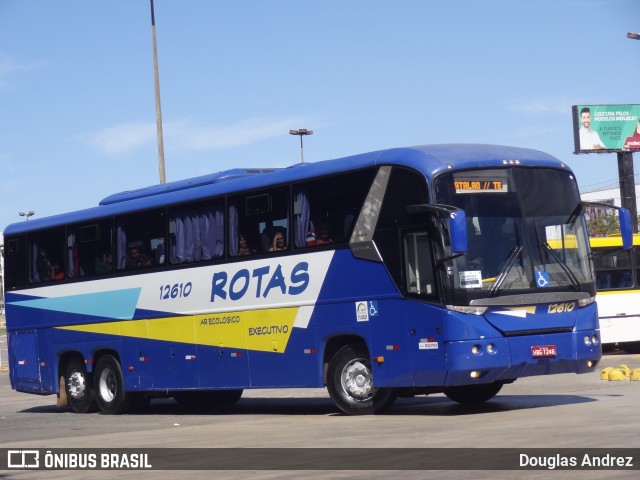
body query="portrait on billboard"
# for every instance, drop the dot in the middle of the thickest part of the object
(589, 138)
(606, 128)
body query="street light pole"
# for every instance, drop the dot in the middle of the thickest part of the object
(28, 214)
(627, 176)
(157, 88)
(301, 132)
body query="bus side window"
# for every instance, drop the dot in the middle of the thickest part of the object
(90, 248)
(196, 232)
(418, 266)
(258, 217)
(331, 203)
(603, 281)
(15, 262)
(137, 236)
(48, 253)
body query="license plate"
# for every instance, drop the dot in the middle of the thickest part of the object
(539, 351)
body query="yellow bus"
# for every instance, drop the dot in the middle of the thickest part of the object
(618, 291)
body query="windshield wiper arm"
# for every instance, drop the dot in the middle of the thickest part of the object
(563, 265)
(511, 260)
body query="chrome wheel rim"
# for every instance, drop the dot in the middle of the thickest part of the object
(108, 385)
(357, 381)
(77, 385)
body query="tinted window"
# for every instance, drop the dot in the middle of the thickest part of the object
(140, 240)
(325, 210)
(91, 250)
(259, 222)
(48, 253)
(405, 188)
(16, 263)
(196, 232)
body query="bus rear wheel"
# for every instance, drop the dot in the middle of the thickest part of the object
(470, 394)
(109, 386)
(78, 387)
(350, 383)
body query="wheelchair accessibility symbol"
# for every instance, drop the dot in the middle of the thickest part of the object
(542, 279)
(365, 310)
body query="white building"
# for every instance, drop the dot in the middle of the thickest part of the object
(606, 196)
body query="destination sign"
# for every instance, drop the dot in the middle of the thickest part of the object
(479, 185)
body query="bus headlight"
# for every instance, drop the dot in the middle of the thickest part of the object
(583, 302)
(467, 309)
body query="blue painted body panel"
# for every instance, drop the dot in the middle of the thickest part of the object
(423, 344)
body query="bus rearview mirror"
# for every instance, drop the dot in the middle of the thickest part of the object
(625, 228)
(458, 232)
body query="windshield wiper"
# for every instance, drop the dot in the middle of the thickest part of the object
(511, 260)
(572, 218)
(574, 280)
(545, 247)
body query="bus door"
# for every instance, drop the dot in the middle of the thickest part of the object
(424, 315)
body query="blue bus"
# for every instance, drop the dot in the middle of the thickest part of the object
(450, 269)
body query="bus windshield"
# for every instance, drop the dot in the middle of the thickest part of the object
(525, 232)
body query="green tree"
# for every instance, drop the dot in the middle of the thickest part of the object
(604, 226)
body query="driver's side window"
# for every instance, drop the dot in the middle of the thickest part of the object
(419, 275)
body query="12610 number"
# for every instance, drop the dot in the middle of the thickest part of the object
(561, 307)
(177, 290)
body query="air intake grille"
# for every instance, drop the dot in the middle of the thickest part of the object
(539, 331)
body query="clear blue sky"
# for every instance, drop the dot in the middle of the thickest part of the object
(77, 111)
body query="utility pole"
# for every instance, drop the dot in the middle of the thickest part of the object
(157, 88)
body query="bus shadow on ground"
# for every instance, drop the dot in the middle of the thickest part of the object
(424, 406)
(442, 406)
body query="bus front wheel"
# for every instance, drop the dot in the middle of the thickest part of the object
(109, 386)
(350, 383)
(469, 394)
(79, 388)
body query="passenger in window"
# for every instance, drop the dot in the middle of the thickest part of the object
(324, 235)
(311, 235)
(137, 258)
(56, 272)
(104, 265)
(243, 246)
(43, 266)
(278, 242)
(158, 254)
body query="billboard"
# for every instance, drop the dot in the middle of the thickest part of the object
(606, 128)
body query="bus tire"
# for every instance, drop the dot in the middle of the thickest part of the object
(109, 386)
(350, 383)
(470, 394)
(79, 387)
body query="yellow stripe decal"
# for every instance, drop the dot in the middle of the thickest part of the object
(617, 292)
(261, 330)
